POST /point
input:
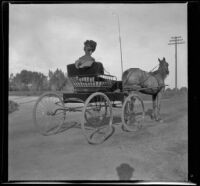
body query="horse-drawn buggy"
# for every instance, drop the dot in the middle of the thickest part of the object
(95, 96)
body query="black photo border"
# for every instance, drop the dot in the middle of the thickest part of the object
(193, 89)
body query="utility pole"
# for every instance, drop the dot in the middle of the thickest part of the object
(115, 14)
(175, 41)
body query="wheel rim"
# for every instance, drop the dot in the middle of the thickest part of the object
(48, 114)
(97, 118)
(96, 113)
(132, 113)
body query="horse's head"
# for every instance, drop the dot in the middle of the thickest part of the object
(163, 67)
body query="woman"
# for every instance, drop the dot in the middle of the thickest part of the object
(87, 60)
(88, 64)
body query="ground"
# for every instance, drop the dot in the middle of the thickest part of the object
(158, 152)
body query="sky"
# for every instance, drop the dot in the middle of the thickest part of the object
(45, 37)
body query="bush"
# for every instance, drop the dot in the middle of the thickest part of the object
(184, 90)
(13, 106)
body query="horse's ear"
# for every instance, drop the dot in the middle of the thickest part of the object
(158, 59)
(163, 58)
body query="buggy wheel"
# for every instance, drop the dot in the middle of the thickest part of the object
(132, 113)
(48, 113)
(97, 116)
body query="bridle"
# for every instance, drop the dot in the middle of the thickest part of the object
(165, 68)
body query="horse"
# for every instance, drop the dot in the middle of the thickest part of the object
(151, 83)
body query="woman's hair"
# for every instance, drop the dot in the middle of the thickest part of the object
(90, 44)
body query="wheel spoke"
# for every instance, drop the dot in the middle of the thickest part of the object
(97, 115)
(46, 114)
(132, 112)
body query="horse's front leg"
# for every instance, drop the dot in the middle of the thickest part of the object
(153, 115)
(158, 101)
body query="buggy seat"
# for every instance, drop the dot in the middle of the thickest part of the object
(95, 69)
(90, 79)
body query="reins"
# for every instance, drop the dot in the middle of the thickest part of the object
(154, 68)
(149, 76)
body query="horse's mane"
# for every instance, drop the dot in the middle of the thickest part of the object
(159, 71)
(154, 72)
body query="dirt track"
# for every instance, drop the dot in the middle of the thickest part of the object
(158, 152)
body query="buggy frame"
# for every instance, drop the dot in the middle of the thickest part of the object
(95, 100)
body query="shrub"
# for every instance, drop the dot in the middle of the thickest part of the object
(13, 106)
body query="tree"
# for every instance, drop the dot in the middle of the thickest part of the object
(28, 80)
(68, 86)
(11, 78)
(38, 81)
(22, 80)
(26, 77)
(11, 82)
(57, 79)
(183, 90)
(168, 90)
(17, 82)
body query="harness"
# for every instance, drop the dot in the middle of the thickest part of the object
(142, 82)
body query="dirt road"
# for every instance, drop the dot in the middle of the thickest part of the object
(158, 152)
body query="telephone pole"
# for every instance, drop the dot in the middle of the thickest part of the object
(115, 14)
(175, 41)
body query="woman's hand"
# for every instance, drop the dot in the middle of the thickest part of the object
(85, 64)
(78, 64)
